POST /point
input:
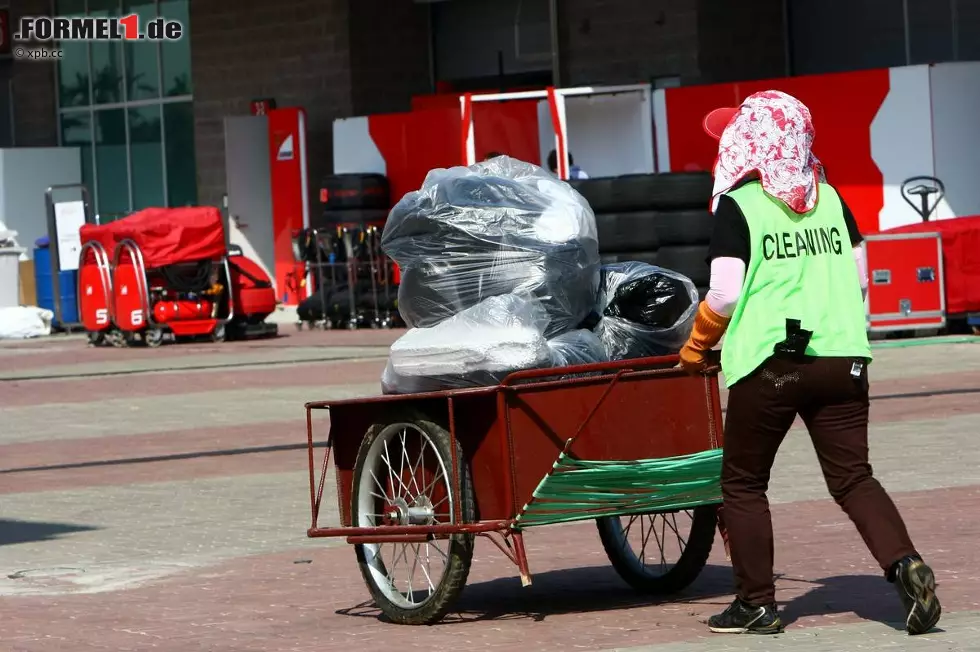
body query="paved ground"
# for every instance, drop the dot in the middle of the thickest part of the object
(158, 500)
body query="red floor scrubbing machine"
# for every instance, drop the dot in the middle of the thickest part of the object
(169, 275)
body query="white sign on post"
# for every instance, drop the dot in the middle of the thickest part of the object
(69, 216)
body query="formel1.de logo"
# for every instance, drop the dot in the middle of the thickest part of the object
(89, 28)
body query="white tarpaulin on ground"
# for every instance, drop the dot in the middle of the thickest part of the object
(23, 322)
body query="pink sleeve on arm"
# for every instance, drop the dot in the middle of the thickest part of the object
(861, 259)
(727, 277)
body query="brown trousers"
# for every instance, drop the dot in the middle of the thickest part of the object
(834, 406)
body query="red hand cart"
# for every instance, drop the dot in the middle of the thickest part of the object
(634, 445)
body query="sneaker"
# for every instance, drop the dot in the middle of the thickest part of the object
(743, 618)
(916, 586)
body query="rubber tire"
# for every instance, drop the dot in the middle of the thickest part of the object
(461, 545)
(346, 191)
(691, 261)
(219, 334)
(687, 261)
(642, 192)
(642, 230)
(648, 257)
(331, 218)
(154, 341)
(692, 561)
(119, 339)
(96, 338)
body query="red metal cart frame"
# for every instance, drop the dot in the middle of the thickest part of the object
(508, 440)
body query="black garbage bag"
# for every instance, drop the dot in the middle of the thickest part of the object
(644, 310)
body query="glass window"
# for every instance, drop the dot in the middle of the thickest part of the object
(110, 161)
(146, 157)
(73, 89)
(133, 157)
(178, 120)
(107, 70)
(177, 54)
(76, 131)
(142, 71)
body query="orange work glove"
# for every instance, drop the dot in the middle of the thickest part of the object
(709, 326)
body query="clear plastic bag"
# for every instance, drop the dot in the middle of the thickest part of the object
(644, 310)
(498, 227)
(475, 348)
(575, 348)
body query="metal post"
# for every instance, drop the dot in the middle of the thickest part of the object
(319, 278)
(372, 261)
(351, 278)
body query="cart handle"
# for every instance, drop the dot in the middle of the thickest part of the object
(670, 363)
(617, 365)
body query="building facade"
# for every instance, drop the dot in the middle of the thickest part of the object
(148, 117)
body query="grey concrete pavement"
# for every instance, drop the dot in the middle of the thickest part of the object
(131, 534)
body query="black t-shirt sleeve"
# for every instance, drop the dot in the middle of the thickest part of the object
(852, 228)
(730, 234)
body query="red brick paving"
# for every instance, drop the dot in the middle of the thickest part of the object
(82, 390)
(77, 351)
(125, 450)
(200, 441)
(273, 603)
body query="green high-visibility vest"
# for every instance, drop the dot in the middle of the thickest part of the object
(801, 267)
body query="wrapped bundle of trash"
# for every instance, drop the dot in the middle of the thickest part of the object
(500, 273)
(575, 348)
(644, 310)
(481, 345)
(495, 228)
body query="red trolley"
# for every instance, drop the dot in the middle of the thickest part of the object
(168, 271)
(634, 445)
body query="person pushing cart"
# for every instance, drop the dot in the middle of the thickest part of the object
(788, 277)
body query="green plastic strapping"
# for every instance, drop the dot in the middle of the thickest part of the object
(578, 490)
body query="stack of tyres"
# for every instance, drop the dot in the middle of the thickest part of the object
(660, 219)
(353, 199)
(354, 286)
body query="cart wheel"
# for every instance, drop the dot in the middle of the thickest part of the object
(96, 339)
(153, 337)
(661, 552)
(299, 326)
(117, 338)
(219, 334)
(403, 476)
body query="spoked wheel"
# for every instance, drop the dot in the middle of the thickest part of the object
(661, 552)
(153, 337)
(118, 338)
(403, 476)
(219, 334)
